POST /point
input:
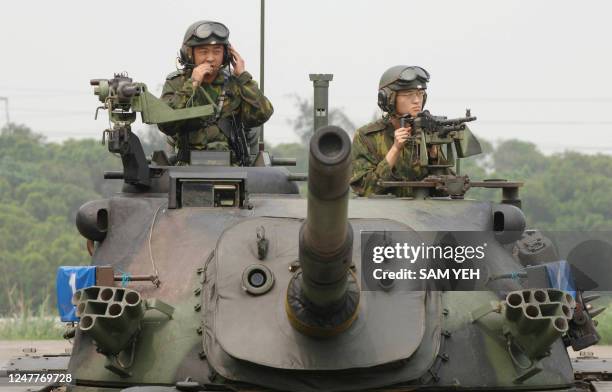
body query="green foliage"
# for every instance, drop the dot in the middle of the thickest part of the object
(564, 191)
(26, 327)
(152, 140)
(291, 150)
(29, 325)
(42, 185)
(605, 328)
(604, 320)
(303, 124)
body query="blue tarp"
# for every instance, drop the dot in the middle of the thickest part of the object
(560, 276)
(67, 282)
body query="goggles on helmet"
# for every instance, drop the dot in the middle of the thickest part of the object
(410, 74)
(208, 29)
(410, 77)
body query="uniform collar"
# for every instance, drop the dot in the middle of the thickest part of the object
(388, 125)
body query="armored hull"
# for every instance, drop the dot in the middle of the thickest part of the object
(220, 332)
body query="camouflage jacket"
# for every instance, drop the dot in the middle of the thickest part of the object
(243, 99)
(370, 146)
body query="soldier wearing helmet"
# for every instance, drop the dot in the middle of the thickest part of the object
(379, 148)
(212, 70)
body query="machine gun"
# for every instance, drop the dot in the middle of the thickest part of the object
(123, 98)
(233, 128)
(430, 130)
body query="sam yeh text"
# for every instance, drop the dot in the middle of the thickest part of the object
(426, 274)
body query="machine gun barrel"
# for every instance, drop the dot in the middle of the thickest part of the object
(324, 292)
(457, 121)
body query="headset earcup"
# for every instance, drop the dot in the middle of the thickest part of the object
(424, 99)
(226, 55)
(382, 100)
(391, 101)
(184, 57)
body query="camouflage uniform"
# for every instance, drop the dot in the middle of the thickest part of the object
(243, 99)
(370, 146)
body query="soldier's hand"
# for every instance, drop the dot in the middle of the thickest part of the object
(401, 136)
(433, 152)
(237, 61)
(201, 72)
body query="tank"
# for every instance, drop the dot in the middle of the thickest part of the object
(213, 277)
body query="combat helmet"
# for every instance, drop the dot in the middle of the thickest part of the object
(204, 32)
(400, 77)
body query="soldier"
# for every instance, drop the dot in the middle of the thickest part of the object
(379, 151)
(213, 71)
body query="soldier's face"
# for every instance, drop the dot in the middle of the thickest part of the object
(211, 54)
(409, 102)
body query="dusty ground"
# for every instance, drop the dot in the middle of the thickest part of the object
(14, 348)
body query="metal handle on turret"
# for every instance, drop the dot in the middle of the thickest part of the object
(283, 161)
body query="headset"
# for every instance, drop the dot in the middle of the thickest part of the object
(386, 99)
(386, 95)
(209, 29)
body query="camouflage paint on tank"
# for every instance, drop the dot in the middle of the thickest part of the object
(183, 239)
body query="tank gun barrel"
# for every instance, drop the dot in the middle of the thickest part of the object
(323, 297)
(329, 172)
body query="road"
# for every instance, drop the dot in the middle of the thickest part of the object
(15, 348)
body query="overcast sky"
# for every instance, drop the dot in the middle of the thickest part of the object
(534, 70)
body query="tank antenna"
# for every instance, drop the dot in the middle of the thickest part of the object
(262, 32)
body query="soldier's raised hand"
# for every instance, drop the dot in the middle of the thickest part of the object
(237, 61)
(401, 136)
(202, 72)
